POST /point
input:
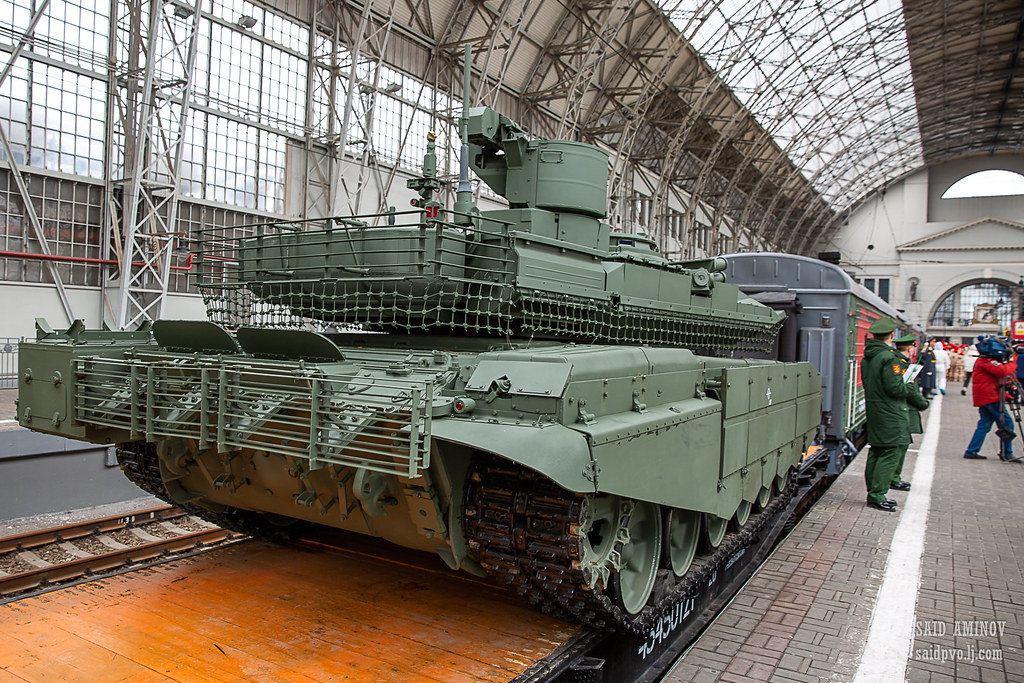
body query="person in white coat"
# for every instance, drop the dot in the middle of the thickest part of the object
(969, 358)
(942, 362)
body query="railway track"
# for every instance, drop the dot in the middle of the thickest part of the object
(50, 557)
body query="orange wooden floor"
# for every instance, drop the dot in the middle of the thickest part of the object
(254, 611)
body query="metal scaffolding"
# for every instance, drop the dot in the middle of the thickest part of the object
(731, 125)
(154, 45)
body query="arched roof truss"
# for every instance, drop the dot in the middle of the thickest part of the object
(774, 117)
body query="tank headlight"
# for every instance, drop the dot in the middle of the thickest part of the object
(463, 405)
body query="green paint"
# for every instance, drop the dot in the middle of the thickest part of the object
(533, 332)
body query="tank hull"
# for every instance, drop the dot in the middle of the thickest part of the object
(380, 440)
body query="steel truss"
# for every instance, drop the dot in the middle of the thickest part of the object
(731, 125)
(153, 47)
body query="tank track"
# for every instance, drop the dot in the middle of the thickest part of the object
(141, 464)
(519, 526)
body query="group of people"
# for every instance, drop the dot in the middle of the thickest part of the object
(893, 410)
(944, 362)
(894, 401)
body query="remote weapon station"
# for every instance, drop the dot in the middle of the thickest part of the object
(523, 391)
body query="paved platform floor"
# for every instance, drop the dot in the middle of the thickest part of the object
(7, 420)
(840, 600)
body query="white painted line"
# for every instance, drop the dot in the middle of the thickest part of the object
(3, 422)
(891, 633)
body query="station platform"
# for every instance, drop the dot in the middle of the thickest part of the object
(931, 592)
(50, 475)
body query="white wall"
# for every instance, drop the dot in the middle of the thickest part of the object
(949, 233)
(22, 303)
(962, 210)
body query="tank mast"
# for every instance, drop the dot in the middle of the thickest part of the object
(464, 207)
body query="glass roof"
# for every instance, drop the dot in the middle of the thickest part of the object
(830, 81)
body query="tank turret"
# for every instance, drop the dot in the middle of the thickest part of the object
(546, 267)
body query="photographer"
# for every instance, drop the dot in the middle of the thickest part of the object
(994, 374)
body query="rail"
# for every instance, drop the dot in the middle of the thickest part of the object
(9, 362)
(33, 539)
(58, 555)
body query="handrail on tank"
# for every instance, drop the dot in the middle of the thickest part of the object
(294, 224)
(279, 244)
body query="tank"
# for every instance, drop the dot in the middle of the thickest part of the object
(523, 392)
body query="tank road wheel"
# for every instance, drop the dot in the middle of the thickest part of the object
(682, 532)
(782, 481)
(639, 556)
(740, 517)
(714, 531)
(599, 531)
(763, 497)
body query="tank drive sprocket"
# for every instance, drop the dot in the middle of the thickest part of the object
(542, 542)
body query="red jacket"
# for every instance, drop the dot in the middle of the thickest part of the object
(988, 374)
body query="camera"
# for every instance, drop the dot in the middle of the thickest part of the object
(995, 348)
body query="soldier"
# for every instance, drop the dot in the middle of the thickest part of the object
(929, 369)
(916, 401)
(886, 396)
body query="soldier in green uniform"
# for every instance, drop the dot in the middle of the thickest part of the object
(917, 403)
(886, 396)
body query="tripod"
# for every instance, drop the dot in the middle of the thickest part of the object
(1011, 405)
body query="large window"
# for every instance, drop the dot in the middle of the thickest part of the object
(989, 303)
(991, 183)
(250, 91)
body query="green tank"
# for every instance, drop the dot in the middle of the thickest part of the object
(524, 392)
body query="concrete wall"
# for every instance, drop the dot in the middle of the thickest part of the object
(40, 474)
(906, 231)
(21, 303)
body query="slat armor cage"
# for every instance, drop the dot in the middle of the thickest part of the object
(302, 412)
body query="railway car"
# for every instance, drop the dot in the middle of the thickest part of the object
(827, 319)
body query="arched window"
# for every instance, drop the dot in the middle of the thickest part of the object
(980, 303)
(991, 183)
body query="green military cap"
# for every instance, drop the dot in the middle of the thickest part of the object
(906, 339)
(883, 326)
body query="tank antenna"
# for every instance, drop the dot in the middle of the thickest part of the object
(464, 192)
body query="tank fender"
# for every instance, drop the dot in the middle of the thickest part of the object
(669, 454)
(555, 451)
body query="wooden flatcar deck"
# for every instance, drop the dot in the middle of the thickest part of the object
(254, 611)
